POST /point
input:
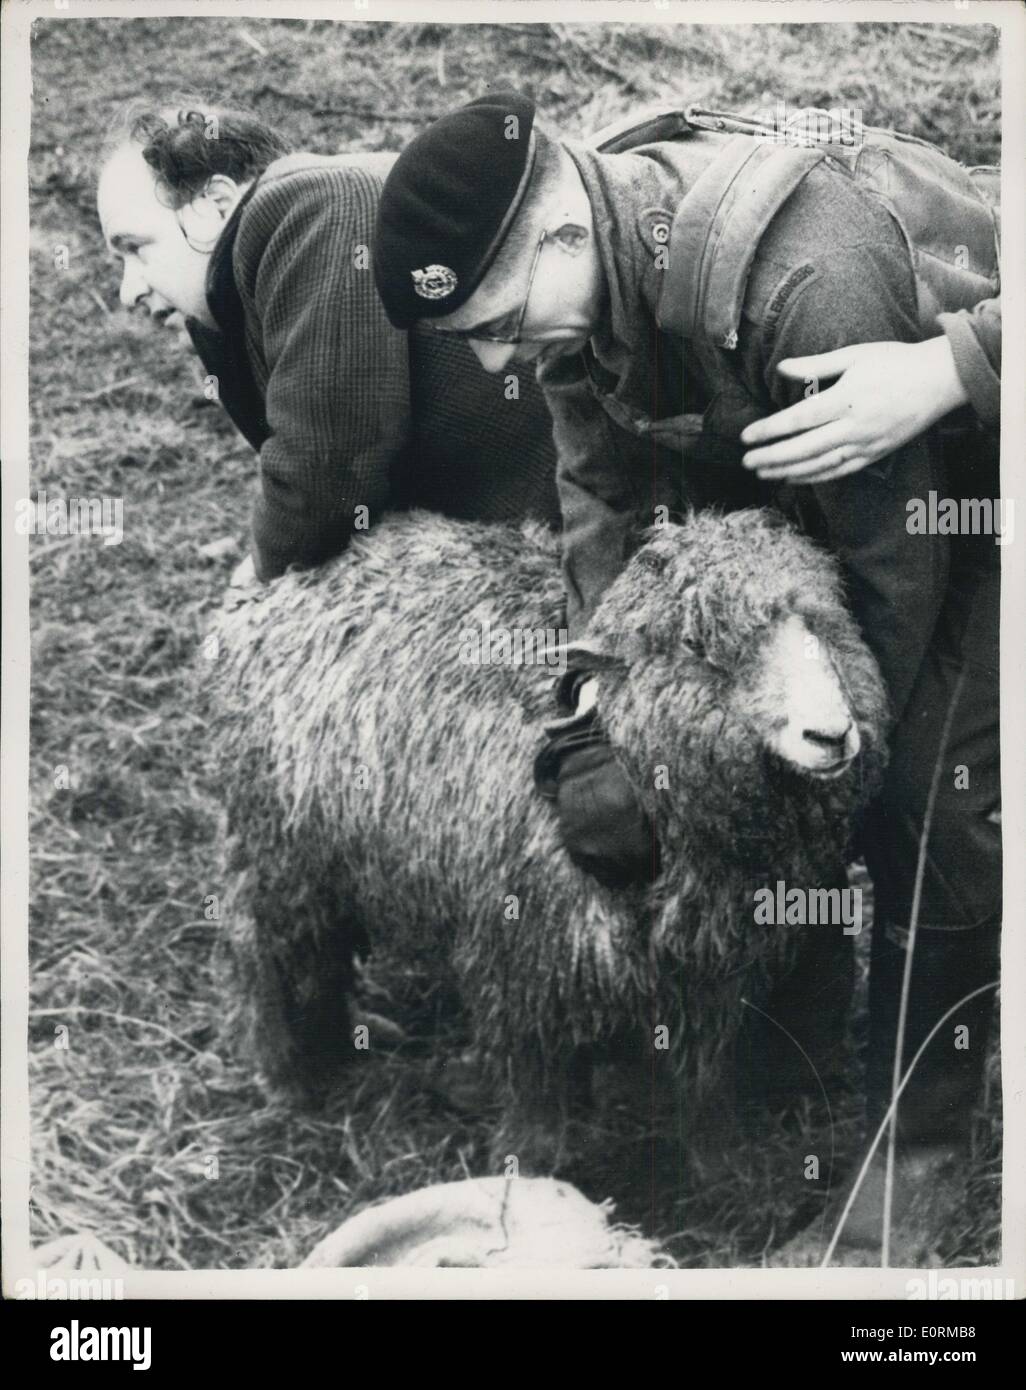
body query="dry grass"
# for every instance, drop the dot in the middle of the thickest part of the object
(127, 1119)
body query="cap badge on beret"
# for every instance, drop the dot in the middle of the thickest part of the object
(434, 282)
(451, 197)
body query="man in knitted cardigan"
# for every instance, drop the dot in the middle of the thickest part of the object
(266, 254)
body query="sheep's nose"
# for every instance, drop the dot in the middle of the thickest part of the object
(828, 749)
(832, 740)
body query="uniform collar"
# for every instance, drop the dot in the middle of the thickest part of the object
(632, 202)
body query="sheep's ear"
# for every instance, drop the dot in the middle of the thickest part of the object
(587, 652)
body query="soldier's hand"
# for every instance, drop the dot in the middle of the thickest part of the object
(885, 395)
(244, 574)
(242, 586)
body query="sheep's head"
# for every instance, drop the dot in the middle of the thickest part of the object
(727, 658)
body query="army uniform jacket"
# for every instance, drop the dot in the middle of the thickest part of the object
(645, 418)
(345, 411)
(975, 339)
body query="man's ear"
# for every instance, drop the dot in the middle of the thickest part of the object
(224, 193)
(570, 237)
(203, 217)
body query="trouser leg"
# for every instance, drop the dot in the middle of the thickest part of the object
(947, 966)
(956, 947)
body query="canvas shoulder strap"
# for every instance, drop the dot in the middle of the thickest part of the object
(716, 233)
(641, 128)
(719, 223)
(948, 215)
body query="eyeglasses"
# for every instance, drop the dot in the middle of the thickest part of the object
(483, 334)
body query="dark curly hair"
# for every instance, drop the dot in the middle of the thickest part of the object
(185, 144)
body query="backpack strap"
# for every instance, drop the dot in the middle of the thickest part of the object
(644, 128)
(716, 233)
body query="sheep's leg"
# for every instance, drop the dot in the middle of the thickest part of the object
(292, 955)
(799, 1043)
(545, 1091)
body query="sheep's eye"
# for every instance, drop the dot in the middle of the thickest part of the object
(653, 560)
(694, 643)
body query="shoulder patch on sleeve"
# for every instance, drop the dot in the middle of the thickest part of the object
(781, 295)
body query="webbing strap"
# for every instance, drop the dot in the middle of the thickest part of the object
(716, 233)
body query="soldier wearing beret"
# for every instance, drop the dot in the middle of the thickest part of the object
(597, 268)
(267, 255)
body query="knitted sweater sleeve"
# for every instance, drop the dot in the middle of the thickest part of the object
(975, 338)
(337, 393)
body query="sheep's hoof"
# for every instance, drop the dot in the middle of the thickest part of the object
(460, 1083)
(532, 1148)
(381, 1031)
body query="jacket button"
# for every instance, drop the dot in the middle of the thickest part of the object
(661, 232)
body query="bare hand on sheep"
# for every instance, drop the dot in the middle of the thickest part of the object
(885, 395)
(242, 586)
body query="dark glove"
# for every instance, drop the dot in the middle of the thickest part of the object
(604, 829)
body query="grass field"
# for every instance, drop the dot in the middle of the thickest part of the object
(130, 1116)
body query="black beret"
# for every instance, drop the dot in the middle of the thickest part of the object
(447, 205)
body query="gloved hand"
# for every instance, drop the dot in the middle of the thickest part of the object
(605, 831)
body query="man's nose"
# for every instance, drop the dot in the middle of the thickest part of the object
(133, 287)
(493, 356)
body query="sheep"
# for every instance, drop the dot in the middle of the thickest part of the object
(379, 793)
